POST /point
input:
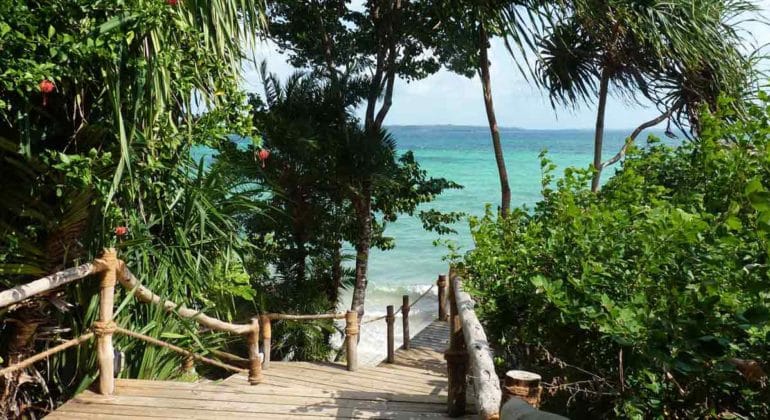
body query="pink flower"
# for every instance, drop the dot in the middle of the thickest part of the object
(46, 87)
(263, 155)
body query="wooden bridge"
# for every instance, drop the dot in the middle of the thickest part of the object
(428, 378)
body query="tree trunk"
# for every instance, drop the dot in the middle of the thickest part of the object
(630, 140)
(486, 83)
(599, 133)
(336, 274)
(394, 18)
(375, 85)
(363, 205)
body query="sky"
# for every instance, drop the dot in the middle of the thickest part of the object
(447, 98)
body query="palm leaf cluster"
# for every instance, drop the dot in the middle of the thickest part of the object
(137, 86)
(679, 54)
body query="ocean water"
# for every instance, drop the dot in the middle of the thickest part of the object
(464, 155)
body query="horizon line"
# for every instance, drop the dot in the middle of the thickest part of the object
(516, 128)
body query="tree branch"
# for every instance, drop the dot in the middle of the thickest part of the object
(391, 70)
(374, 88)
(630, 140)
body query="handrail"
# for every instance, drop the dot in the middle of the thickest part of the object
(112, 271)
(468, 345)
(485, 380)
(177, 349)
(131, 283)
(41, 356)
(400, 309)
(47, 283)
(311, 317)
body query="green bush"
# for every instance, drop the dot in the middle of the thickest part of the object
(649, 299)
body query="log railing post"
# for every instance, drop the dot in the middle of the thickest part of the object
(255, 365)
(351, 339)
(524, 385)
(405, 321)
(390, 319)
(441, 284)
(267, 335)
(457, 360)
(105, 327)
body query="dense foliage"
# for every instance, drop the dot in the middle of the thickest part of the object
(679, 55)
(649, 299)
(100, 106)
(655, 284)
(321, 163)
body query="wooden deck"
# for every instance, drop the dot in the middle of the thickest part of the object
(414, 386)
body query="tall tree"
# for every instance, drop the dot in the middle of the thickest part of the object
(466, 28)
(369, 48)
(678, 54)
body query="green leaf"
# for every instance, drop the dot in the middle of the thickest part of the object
(733, 223)
(754, 185)
(760, 200)
(115, 22)
(172, 335)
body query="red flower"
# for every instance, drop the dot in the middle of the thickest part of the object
(263, 155)
(172, 2)
(121, 231)
(46, 87)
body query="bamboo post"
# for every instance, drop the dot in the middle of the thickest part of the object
(351, 339)
(405, 320)
(267, 334)
(390, 319)
(457, 360)
(105, 327)
(441, 284)
(524, 385)
(255, 365)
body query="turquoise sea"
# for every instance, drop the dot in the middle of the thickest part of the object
(462, 154)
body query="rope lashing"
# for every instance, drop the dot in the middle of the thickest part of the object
(101, 328)
(351, 330)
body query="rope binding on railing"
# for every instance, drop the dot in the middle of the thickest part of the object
(111, 271)
(102, 328)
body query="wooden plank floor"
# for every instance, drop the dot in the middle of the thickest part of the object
(413, 387)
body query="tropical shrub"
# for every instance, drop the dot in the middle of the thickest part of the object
(649, 299)
(101, 104)
(315, 166)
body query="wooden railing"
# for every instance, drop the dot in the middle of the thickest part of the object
(111, 271)
(469, 353)
(391, 312)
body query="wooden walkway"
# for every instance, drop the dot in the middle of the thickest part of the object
(413, 387)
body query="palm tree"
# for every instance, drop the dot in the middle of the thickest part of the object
(121, 125)
(678, 54)
(367, 161)
(465, 29)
